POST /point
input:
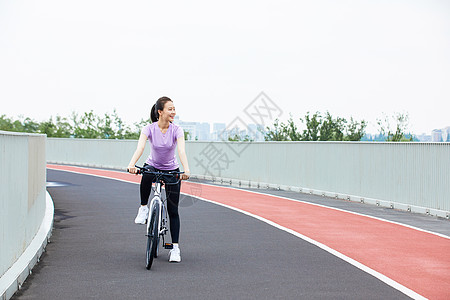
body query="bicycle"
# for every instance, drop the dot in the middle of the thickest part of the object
(157, 226)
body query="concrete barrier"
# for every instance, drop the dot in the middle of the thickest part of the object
(26, 211)
(114, 154)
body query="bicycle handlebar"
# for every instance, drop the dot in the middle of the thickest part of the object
(159, 175)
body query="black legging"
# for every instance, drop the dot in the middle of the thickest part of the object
(173, 198)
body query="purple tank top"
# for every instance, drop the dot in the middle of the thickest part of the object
(162, 146)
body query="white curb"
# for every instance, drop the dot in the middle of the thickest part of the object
(12, 280)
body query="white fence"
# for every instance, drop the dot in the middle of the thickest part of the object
(26, 213)
(115, 154)
(408, 176)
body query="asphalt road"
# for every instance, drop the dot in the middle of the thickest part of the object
(97, 251)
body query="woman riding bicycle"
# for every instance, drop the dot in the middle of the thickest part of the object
(164, 137)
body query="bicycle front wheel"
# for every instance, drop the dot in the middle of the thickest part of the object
(153, 235)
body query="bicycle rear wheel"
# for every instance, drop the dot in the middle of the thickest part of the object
(153, 235)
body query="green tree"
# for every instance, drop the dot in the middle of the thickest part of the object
(135, 132)
(291, 130)
(278, 133)
(29, 125)
(111, 126)
(20, 125)
(317, 128)
(332, 129)
(355, 130)
(187, 135)
(63, 128)
(238, 138)
(5, 123)
(313, 124)
(235, 138)
(394, 128)
(119, 125)
(86, 126)
(105, 128)
(48, 128)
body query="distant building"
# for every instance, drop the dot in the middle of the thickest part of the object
(203, 132)
(446, 134)
(368, 137)
(255, 132)
(424, 138)
(219, 129)
(189, 127)
(436, 135)
(195, 131)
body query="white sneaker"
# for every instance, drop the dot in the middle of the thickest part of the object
(175, 255)
(142, 215)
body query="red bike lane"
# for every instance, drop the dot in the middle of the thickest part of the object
(415, 259)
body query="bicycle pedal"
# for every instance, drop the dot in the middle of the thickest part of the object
(168, 246)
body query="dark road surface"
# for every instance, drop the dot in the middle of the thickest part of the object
(97, 251)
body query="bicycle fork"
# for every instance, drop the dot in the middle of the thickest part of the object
(162, 220)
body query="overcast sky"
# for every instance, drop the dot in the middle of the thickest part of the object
(351, 58)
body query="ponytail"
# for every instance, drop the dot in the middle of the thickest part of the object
(159, 105)
(154, 116)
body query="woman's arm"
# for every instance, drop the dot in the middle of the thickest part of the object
(181, 145)
(137, 154)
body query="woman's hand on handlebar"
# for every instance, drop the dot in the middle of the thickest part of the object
(185, 175)
(132, 170)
